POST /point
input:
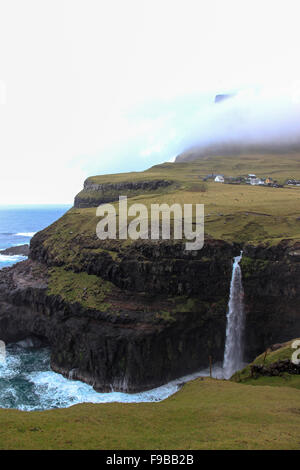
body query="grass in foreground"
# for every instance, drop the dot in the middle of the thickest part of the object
(205, 414)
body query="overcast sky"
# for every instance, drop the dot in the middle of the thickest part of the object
(99, 86)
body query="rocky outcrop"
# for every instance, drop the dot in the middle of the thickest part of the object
(20, 250)
(162, 267)
(137, 347)
(278, 368)
(94, 194)
(165, 315)
(272, 295)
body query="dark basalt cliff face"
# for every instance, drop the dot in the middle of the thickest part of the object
(271, 279)
(166, 322)
(164, 268)
(165, 317)
(94, 194)
(20, 250)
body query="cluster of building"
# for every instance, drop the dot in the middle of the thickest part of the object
(293, 182)
(250, 179)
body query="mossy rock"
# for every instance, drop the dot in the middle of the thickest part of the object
(88, 290)
(282, 352)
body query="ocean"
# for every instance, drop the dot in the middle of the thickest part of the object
(19, 223)
(26, 379)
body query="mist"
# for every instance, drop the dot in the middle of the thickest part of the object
(123, 86)
(262, 119)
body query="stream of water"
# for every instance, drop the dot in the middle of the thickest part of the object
(233, 356)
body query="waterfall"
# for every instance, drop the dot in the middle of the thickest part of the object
(233, 356)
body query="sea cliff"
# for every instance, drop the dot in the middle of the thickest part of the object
(131, 315)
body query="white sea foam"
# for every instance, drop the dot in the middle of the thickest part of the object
(10, 367)
(12, 258)
(28, 384)
(25, 234)
(56, 391)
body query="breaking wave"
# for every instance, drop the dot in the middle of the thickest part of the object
(12, 258)
(25, 234)
(27, 383)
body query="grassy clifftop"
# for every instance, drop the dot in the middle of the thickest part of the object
(233, 213)
(186, 176)
(240, 213)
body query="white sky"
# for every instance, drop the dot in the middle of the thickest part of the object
(93, 86)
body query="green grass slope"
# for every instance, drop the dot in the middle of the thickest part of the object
(234, 213)
(204, 414)
(240, 213)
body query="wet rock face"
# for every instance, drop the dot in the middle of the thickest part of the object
(270, 280)
(272, 296)
(140, 348)
(158, 268)
(134, 351)
(136, 357)
(167, 270)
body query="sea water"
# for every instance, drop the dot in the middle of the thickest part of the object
(19, 223)
(27, 383)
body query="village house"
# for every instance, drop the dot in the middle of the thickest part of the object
(256, 181)
(219, 179)
(293, 182)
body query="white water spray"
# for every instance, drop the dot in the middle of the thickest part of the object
(233, 356)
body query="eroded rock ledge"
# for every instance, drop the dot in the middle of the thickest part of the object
(94, 194)
(20, 250)
(138, 340)
(141, 338)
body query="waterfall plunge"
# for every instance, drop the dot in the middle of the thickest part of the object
(233, 356)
